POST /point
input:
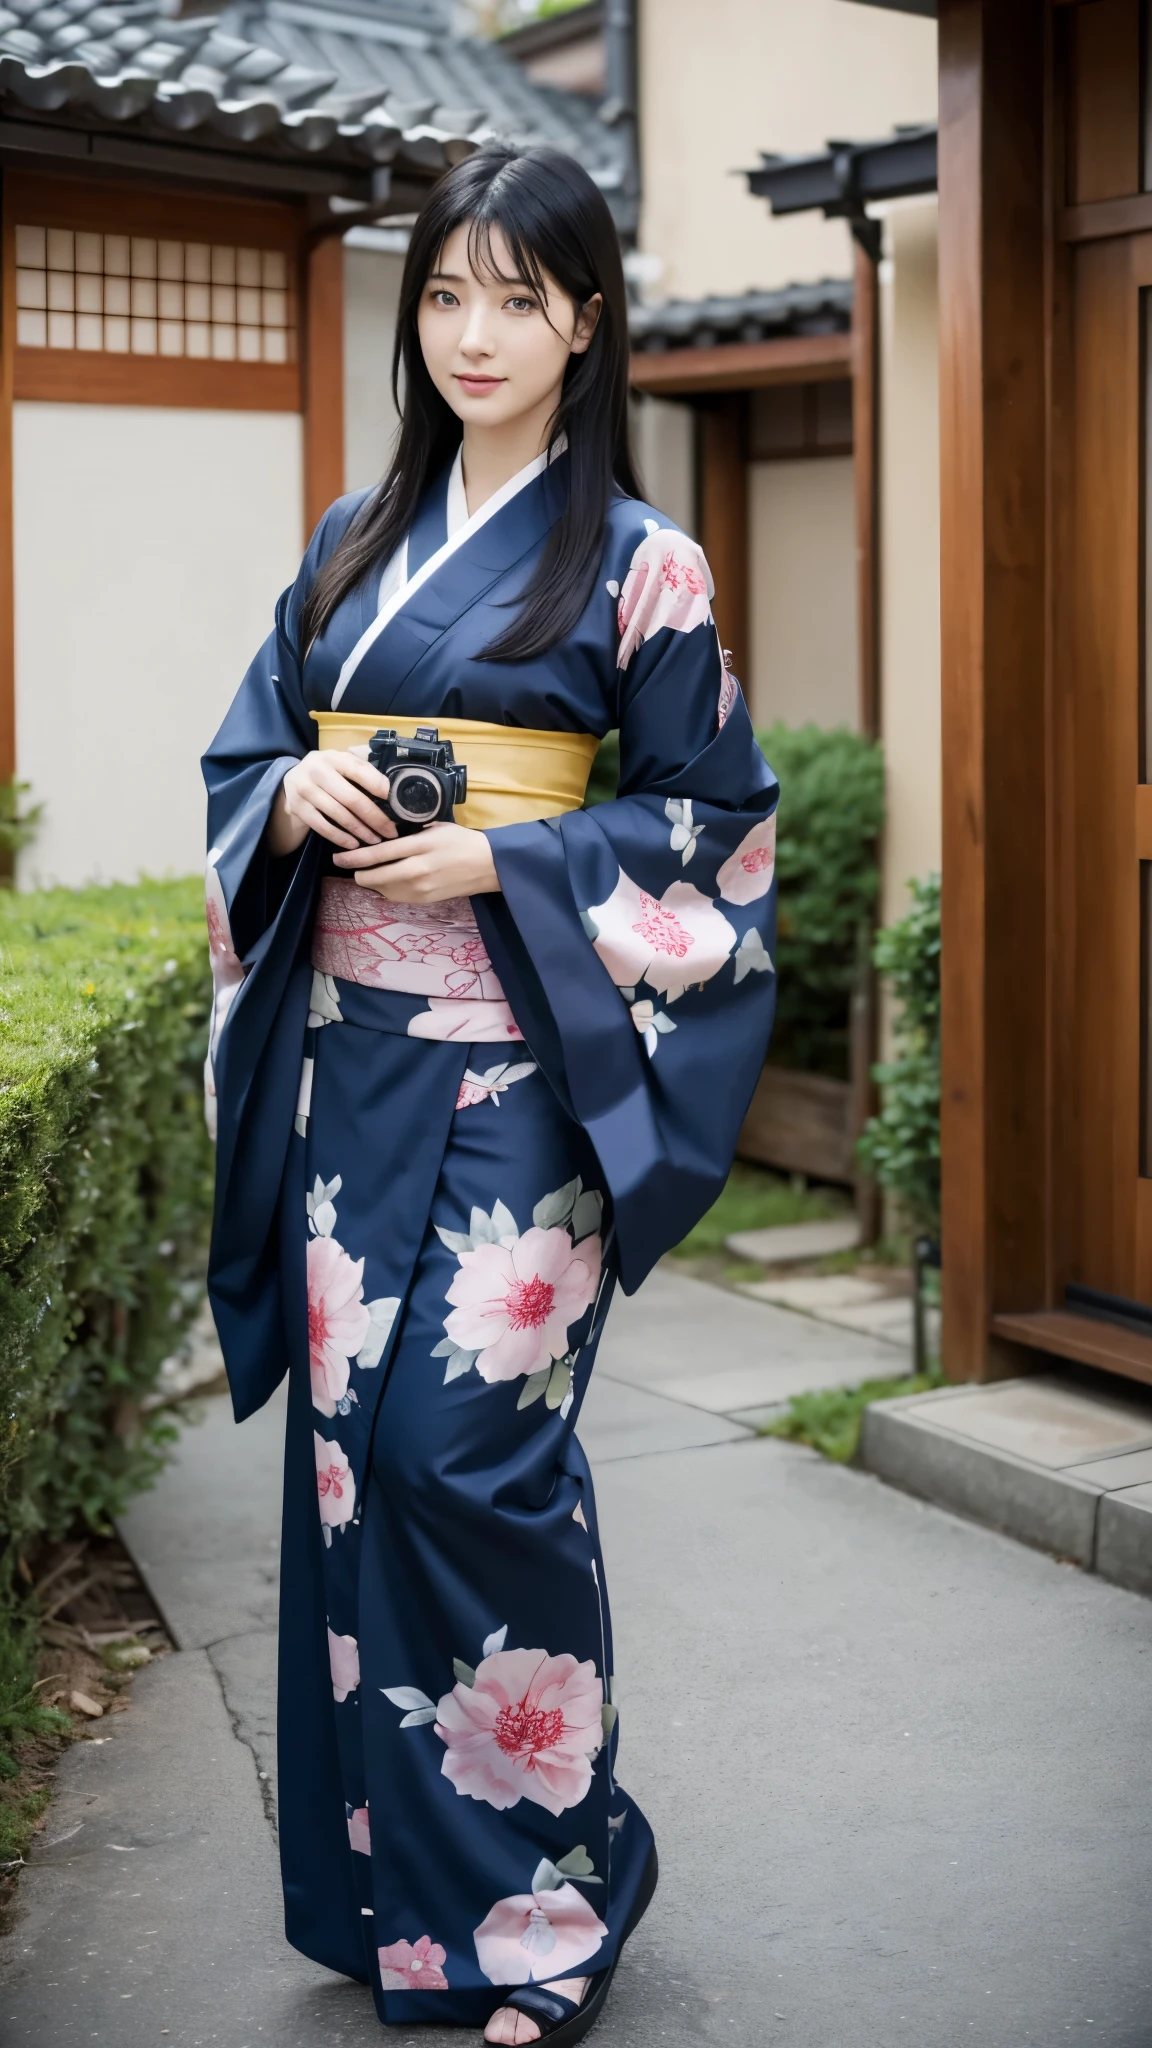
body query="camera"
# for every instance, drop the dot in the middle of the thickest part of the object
(425, 780)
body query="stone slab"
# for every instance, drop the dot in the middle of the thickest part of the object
(814, 1293)
(712, 1349)
(1047, 1509)
(204, 1542)
(791, 1242)
(621, 1421)
(153, 1905)
(1126, 1468)
(1124, 1539)
(1042, 1419)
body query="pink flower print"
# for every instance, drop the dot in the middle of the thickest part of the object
(747, 874)
(344, 1658)
(538, 1935)
(671, 941)
(514, 1304)
(358, 1833)
(473, 1020)
(413, 1966)
(668, 584)
(337, 1319)
(334, 1484)
(470, 1093)
(528, 1728)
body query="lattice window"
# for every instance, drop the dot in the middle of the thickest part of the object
(137, 295)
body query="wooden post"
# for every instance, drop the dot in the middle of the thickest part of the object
(723, 486)
(993, 598)
(323, 365)
(866, 473)
(866, 477)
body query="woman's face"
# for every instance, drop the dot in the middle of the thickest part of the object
(497, 351)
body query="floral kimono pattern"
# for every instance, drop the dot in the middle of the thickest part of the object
(424, 1228)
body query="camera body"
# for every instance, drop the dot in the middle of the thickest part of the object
(426, 781)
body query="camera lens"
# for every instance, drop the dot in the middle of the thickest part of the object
(415, 796)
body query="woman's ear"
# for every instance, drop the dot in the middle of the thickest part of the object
(586, 321)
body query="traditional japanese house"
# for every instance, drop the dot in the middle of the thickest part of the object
(191, 368)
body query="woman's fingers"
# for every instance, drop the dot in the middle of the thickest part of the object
(359, 769)
(316, 822)
(318, 781)
(329, 778)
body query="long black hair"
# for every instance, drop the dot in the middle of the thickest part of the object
(553, 218)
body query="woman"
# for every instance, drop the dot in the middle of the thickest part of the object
(470, 1075)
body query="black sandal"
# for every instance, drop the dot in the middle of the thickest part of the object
(561, 2022)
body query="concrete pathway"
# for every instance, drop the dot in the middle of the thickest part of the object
(898, 1765)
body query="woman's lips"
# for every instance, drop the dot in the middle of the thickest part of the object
(477, 386)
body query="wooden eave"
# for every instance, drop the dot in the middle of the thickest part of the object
(742, 365)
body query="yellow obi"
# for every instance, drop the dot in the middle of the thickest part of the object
(514, 775)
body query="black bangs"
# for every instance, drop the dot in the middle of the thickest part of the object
(555, 224)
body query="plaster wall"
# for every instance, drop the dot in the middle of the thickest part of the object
(150, 548)
(761, 75)
(664, 444)
(910, 551)
(802, 590)
(371, 296)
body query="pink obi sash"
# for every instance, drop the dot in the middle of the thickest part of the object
(417, 949)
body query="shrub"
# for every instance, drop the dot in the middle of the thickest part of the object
(105, 1180)
(831, 812)
(901, 1146)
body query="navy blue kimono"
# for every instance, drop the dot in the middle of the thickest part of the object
(444, 1132)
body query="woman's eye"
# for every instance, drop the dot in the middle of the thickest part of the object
(445, 298)
(521, 305)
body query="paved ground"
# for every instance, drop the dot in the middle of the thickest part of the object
(898, 1766)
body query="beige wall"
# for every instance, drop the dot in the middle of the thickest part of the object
(150, 548)
(664, 443)
(371, 294)
(910, 551)
(802, 588)
(719, 86)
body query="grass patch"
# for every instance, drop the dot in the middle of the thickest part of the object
(754, 1199)
(831, 1421)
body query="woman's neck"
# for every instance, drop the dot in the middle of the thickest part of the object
(492, 456)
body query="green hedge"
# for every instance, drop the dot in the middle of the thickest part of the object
(105, 1179)
(827, 880)
(901, 1146)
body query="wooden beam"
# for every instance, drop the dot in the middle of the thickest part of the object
(993, 597)
(79, 377)
(723, 487)
(1058, 1333)
(743, 365)
(323, 337)
(1101, 218)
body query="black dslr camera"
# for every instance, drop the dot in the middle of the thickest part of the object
(425, 780)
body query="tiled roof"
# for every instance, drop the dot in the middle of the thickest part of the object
(357, 83)
(824, 308)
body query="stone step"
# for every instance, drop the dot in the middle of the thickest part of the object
(791, 1242)
(1055, 1461)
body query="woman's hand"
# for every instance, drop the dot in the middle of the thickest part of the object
(331, 794)
(425, 867)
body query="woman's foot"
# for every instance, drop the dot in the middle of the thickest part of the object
(514, 2029)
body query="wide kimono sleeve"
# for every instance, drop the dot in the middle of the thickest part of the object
(260, 911)
(635, 939)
